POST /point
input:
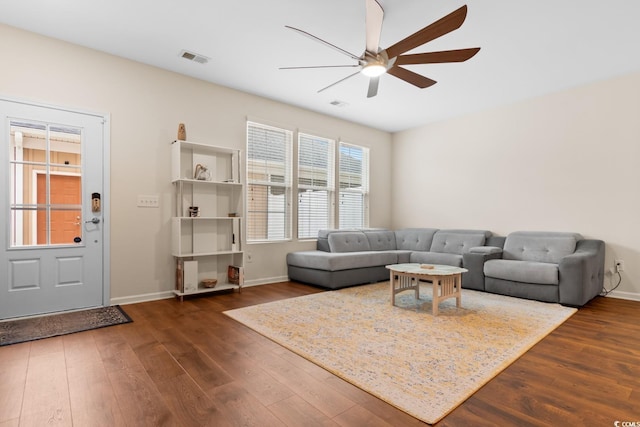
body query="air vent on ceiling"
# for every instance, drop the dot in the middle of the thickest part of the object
(338, 103)
(195, 57)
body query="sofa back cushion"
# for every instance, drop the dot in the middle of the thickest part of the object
(414, 239)
(322, 244)
(348, 241)
(539, 246)
(383, 240)
(457, 241)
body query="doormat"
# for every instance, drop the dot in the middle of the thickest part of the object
(36, 328)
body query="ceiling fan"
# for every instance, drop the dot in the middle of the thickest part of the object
(375, 61)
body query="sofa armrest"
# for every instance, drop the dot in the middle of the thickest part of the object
(486, 250)
(474, 262)
(581, 274)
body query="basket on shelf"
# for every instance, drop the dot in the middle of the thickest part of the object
(209, 283)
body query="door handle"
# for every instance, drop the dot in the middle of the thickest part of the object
(94, 220)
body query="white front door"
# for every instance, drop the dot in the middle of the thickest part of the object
(51, 210)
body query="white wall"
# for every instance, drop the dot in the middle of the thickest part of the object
(562, 162)
(146, 104)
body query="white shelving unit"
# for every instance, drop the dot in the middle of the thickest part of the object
(211, 239)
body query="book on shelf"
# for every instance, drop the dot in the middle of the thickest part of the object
(179, 286)
(234, 274)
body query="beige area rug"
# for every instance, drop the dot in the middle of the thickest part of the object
(423, 365)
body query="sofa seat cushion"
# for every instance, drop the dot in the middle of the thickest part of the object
(330, 261)
(542, 273)
(436, 258)
(404, 257)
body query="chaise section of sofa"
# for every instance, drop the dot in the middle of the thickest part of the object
(348, 259)
(548, 266)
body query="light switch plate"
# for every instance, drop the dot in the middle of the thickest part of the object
(149, 201)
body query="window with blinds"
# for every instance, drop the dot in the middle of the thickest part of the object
(268, 183)
(353, 197)
(316, 159)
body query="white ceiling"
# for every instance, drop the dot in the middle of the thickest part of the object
(529, 47)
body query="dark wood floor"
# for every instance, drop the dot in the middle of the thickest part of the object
(186, 364)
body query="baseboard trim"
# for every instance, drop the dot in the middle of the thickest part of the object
(133, 299)
(267, 281)
(633, 296)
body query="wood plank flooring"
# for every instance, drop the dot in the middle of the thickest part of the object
(186, 364)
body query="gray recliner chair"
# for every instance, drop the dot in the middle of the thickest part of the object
(548, 266)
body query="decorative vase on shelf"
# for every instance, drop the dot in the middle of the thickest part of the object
(202, 173)
(182, 132)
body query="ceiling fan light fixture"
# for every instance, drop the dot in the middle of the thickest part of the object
(373, 70)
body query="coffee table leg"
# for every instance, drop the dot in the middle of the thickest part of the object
(399, 282)
(392, 285)
(458, 290)
(436, 299)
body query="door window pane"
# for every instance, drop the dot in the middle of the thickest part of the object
(45, 185)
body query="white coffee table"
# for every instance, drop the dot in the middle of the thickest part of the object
(446, 280)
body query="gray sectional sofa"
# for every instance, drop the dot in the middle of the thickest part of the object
(546, 266)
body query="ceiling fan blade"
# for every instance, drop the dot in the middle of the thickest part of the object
(339, 81)
(373, 87)
(311, 36)
(373, 21)
(439, 28)
(438, 57)
(318, 66)
(411, 77)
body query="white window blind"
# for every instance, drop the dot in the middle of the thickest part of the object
(268, 183)
(316, 161)
(353, 197)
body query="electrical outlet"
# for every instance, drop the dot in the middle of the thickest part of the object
(619, 265)
(152, 201)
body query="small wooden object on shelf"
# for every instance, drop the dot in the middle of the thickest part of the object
(179, 287)
(182, 132)
(209, 283)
